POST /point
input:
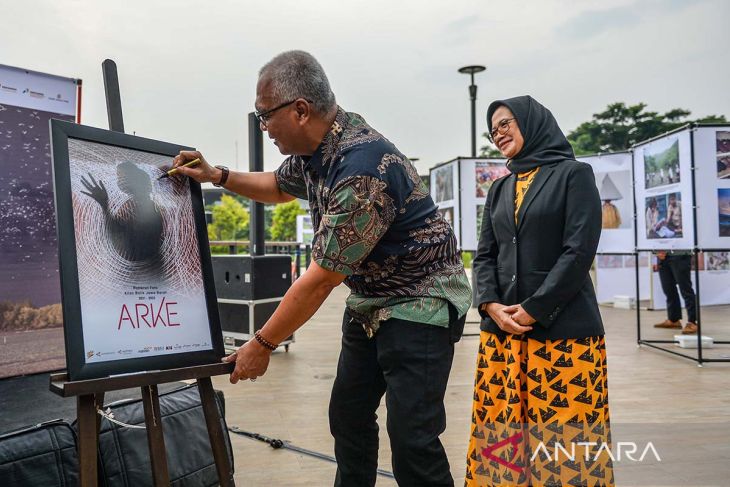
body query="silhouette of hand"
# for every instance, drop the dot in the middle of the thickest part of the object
(96, 190)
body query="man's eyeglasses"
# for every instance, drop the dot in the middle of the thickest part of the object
(263, 117)
(501, 128)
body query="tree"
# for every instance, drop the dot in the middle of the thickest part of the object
(620, 126)
(230, 220)
(284, 221)
(489, 150)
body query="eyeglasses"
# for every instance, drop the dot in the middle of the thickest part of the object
(263, 117)
(502, 127)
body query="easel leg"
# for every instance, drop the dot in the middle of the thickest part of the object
(88, 438)
(217, 442)
(155, 439)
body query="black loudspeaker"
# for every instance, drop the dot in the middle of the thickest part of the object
(236, 317)
(251, 277)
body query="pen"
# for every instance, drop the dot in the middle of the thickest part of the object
(173, 171)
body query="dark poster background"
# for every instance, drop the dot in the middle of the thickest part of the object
(31, 326)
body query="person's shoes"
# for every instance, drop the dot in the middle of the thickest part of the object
(690, 329)
(669, 324)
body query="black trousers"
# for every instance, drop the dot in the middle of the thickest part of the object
(410, 363)
(674, 271)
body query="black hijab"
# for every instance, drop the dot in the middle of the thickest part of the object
(544, 141)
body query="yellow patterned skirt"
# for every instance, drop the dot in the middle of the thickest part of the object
(540, 413)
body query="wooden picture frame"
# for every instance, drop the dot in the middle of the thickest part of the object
(137, 284)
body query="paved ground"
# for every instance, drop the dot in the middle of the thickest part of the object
(28, 352)
(683, 409)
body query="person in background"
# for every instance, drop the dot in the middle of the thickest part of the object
(541, 366)
(675, 270)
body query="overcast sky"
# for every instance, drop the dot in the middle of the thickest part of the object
(188, 69)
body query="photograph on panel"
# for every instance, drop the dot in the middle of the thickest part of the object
(486, 173)
(722, 141)
(661, 163)
(664, 216)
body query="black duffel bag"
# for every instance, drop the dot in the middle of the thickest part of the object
(44, 454)
(124, 459)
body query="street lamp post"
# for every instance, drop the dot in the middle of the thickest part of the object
(472, 70)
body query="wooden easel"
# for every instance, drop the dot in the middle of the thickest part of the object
(90, 396)
(90, 393)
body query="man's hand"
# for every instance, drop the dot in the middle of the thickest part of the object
(96, 190)
(202, 173)
(519, 315)
(251, 359)
(505, 321)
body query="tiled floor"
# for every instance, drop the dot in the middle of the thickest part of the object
(682, 408)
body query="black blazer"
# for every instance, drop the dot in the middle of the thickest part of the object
(543, 262)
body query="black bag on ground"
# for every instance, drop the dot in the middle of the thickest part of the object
(44, 454)
(124, 459)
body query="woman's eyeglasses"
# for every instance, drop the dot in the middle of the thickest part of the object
(501, 128)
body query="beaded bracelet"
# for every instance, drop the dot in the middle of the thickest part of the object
(263, 341)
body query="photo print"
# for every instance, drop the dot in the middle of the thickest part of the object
(722, 140)
(661, 163)
(717, 261)
(723, 211)
(609, 261)
(444, 183)
(480, 217)
(486, 173)
(616, 208)
(448, 215)
(664, 216)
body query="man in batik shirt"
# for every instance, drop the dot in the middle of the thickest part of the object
(378, 230)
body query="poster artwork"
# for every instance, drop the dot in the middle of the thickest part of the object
(661, 163)
(486, 173)
(139, 267)
(664, 216)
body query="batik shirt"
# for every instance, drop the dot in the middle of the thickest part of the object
(375, 222)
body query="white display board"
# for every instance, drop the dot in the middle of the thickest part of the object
(38, 91)
(477, 176)
(714, 281)
(616, 276)
(614, 179)
(663, 175)
(712, 183)
(444, 180)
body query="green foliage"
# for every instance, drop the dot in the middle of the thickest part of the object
(489, 149)
(620, 126)
(230, 220)
(284, 221)
(466, 258)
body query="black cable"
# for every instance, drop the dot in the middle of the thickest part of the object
(277, 444)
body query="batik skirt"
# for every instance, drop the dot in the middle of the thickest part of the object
(540, 413)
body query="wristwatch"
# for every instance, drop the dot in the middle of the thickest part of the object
(224, 176)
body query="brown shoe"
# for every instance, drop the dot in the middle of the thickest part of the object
(669, 324)
(690, 329)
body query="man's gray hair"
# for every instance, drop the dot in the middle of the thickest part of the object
(296, 74)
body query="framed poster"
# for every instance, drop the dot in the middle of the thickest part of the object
(136, 277)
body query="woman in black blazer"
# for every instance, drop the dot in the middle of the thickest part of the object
(541, 370)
